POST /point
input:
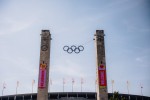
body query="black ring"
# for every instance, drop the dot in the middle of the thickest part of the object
(73, 48)
(77, 50)
(70, 50)
(65, 47)
(44, 47)
(79, 47)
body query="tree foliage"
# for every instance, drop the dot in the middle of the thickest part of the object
(116, 96)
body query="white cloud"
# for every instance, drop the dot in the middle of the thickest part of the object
(10, 25)
(139, 59)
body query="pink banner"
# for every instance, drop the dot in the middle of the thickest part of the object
(102, 76)
(42, 76)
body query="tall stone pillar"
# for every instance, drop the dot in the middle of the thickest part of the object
(44, 66)
(102, 93)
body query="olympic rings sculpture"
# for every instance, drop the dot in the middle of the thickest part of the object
(73, 48)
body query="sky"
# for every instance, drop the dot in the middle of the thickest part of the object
(126, 25)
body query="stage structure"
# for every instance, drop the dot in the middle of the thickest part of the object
(43, 79)
(102, 93)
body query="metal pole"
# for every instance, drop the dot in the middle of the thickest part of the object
(81, 83)
(16, 90)
(33, 81)
(63, 87)
(2, 91)
(17, 87)
(112, 85)
(81, 87)
(141, 91)
(32, 87)
(63, 84)
(3, 88)
(128, 88)
(72, 86)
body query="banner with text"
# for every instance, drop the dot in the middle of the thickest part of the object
(42, 76)
(102, 76)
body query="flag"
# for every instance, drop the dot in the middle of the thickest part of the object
(64, 81)
(33, 81)
(141, 85)
(17, 83)
(82, 81)
(73, 81)
(112, 81)
(4, 85)
(127, 82)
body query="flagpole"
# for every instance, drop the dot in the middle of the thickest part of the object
(63, 84)
(32, 88)
(95, 84)
(81, 87)
(3, 88)
(16, 90)
(33, 81)
(81, 83)
(128, 86)
(112, 85)
(63, 87)
(72, 87)
(72, 84)
(17, 87)
(141, 89)
(2, 91)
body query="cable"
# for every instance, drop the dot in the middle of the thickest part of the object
(88, 42)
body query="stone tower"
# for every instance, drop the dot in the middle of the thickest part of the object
(44, 66)
(102, 93)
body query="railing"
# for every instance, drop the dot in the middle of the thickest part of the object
(70, 96)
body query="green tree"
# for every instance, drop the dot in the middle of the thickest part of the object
(116, 96)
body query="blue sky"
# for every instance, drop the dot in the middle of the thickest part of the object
(126, 25)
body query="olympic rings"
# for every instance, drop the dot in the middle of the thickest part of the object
(73, 48)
